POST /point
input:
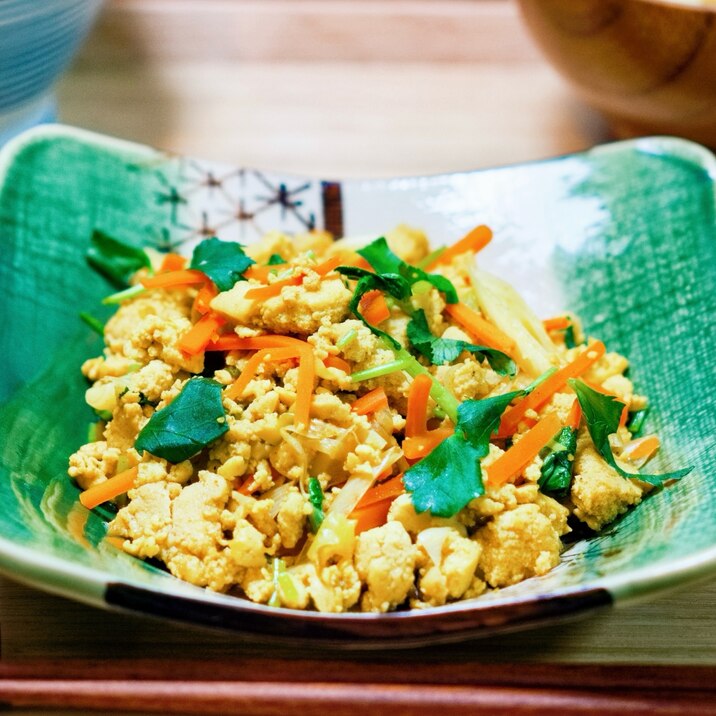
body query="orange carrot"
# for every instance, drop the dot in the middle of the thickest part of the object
(108, 490)
(575, 416)
(416, 447)
(261, 273)
(558, 323)
(641, 448)
(172, 262)
(475, 240)
(374, 307)
(372, 516)
(247, 486)
(351, 258)
(417, 414)
(370, 402)
(336, 362)
(196, 338)
(548, 387)
(482, 332)
(116, 542)
(261, 293)
(185, 277)
(247, 374)
(232, 342)
(204, 297)
(304, 383)
(520, 455)
(389, 489)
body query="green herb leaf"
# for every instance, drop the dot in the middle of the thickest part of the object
(315, 497)
(114, 259)
(440, 351)
(224, 262)
(275, 260)
(602, 414)
(384, 261)
(447, 479)
(556, 474)
(392, 284)
(193, 420)
(450, 477)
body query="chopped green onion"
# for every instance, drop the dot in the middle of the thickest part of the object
(282, 585)
(431, 257)
(346, 338)
(635, 424)
(315, 497)
(378, 371)
(104, 414)
(120, 296)
(94, 434)
(94, 323)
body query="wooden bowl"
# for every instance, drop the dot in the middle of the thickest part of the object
(648, 65)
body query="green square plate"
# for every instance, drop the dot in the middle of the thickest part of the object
(623, 235)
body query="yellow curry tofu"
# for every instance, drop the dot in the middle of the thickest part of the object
(312, 425)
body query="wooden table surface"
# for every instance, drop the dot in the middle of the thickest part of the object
(334, 89)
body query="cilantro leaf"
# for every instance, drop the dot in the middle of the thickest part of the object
(224, 262)
(556, 473)
(315, 497)
(447, 479)
(450, 476)
(116, 260)
(602, 414)
(440, 351)
(384, 261)
(480, 419)
(275, 260)
(392, 284)
(193, 420)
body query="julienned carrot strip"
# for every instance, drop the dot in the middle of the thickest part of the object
(417, 413)
(483, 332)
(548, 387)
(370, 402)
(274, 289)
(172, 262)
(200, 334)
(475, 240)
(558, 323)
(575, 415)
(185, 277)
(204, 297)
(328, 265)
(261, 293)
(336, 362)
(247, 374)
(247, 486)
(374, 307)
(304, 383)
(520, 455)
(372, 516)
(232, 342)
(418, 446)
(389, 489)
(641, 448)
(108, 490)
(261, 273)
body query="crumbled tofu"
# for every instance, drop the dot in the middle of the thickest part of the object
(93, 463)
(599, 493)
(517, 544)
(385, 561)
(408, 243)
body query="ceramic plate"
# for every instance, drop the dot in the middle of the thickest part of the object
(623, 235)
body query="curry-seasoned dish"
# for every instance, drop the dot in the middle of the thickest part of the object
(309, 424)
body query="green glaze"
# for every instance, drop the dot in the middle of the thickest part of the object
(624, 236)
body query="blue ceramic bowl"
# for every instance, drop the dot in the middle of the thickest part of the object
(38, 39)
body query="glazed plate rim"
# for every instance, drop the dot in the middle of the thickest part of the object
(90, 585)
